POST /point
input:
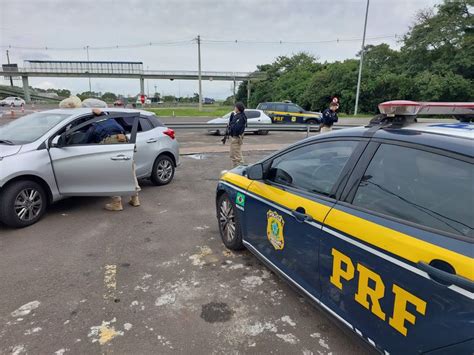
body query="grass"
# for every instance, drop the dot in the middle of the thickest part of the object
(207, 111)
(217, 111)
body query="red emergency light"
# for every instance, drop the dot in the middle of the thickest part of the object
(414, 108)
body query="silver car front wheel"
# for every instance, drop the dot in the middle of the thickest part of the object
(22, 203)
(28, 204)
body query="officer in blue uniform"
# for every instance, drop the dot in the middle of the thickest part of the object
(329, 117)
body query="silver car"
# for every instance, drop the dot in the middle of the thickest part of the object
(47, 156)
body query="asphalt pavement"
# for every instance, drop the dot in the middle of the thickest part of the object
(152, 279)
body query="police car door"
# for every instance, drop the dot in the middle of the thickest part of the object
(92, 169)
(396, 257)
(284, 213)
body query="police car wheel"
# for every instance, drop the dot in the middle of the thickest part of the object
(163, 170)
(311, 121)
(229, 223)
(262, 133)
(23, 204)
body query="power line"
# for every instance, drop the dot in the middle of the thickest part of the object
(334, 40)
(192, 41)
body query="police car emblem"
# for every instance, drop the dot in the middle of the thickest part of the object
(275, 224)
(240, 199)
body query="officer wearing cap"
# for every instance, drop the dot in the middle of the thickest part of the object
(329, 117)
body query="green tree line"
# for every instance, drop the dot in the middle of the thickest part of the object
(435, 63)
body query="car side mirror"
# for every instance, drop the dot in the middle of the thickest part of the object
(255, 172)
(59, 141)
(301, 111)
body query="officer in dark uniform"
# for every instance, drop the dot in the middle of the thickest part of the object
(329, 117)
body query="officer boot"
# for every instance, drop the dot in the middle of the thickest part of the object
(115, 205)
(134, 201)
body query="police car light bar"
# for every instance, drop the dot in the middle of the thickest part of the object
(413, 108)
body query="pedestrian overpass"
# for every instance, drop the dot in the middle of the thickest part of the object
(107, 69)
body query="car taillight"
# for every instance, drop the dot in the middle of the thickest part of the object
(170, 133)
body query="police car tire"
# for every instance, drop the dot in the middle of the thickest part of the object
(311, 121)
(8, 197)
(236, 243)
(262, 133)
(155, 179)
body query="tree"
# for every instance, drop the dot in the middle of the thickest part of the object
(109, 97)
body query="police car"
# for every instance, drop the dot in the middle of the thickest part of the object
(288, 112)
(374, 224)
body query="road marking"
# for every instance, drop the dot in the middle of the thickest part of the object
(110, 281)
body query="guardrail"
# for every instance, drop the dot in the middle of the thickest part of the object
(264, 127)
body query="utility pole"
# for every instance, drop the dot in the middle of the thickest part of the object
(199, 72)
(8, 61)
(90, 87)
(147, 85)
(361, 60)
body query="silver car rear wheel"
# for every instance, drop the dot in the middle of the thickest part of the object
(163, 170)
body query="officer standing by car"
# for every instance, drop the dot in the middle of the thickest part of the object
(329, 117)
(110, 132)
(236, 129)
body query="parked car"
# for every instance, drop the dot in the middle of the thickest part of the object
(119, 103)
(373, 224)
(288, 112)
(12, 100)
(208, 101)
(253, 117)
(45, 156)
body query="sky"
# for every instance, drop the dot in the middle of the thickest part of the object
(69, 26)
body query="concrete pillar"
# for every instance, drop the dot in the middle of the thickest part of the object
(248, 93)
(234, 92)
(26, 89)
(142, 86)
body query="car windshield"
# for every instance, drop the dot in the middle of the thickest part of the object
(29, 128)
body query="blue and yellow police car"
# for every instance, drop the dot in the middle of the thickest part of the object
(288, 112)
(374, 224)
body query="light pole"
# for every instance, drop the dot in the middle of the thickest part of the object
(199, 71)
(361, 60)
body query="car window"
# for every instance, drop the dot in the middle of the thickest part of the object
(252, 114)
(293, 108)
(155, 121)
(144, 125)
(315, 168)
(29, 128)
(262, 106)
(105, 131)
(421, 187)
(280, 107)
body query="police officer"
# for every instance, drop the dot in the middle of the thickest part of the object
(329, 117)
(237, 124)
(110, 132)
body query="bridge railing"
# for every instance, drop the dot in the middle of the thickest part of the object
(104, 70)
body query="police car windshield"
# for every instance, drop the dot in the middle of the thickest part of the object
(29, 128)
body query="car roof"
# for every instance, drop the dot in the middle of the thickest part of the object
(85, 110)
(457, 137)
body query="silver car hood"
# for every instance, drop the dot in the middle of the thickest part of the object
(7, 150)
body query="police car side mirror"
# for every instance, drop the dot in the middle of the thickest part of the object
(255, 172)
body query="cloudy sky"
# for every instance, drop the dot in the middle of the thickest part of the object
(75, 24)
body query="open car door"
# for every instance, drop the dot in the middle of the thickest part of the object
(93, 169)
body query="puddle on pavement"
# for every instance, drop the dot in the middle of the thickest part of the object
(216, 312)
(197, 156)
